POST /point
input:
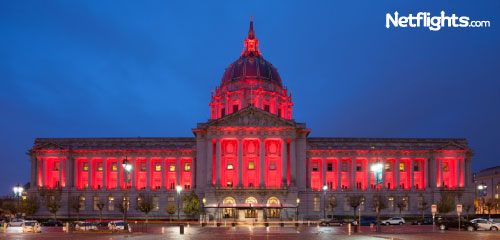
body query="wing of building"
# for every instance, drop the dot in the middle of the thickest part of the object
(251, 161)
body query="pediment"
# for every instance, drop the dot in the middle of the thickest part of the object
(452, 146)
(252, 116)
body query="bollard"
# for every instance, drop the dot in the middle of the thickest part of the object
(181, 229)
(162, 230)
(349, 228)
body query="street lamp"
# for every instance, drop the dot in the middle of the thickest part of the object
(482, 192)
(18, 191)
(377, 175)
(204, 201)
(324, 201)
(297, 210)
(178, 188)
(127, 167)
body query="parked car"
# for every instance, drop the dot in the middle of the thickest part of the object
(365, 221)
(16, 222)
(85, 226)
(423, 221)
(393, 221)
(53, 223)
(31, 226)
(483, 224)
(476, 219)
(450, 223)
(331, 222)
(118, 226)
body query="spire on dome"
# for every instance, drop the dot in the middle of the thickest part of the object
(251, 43)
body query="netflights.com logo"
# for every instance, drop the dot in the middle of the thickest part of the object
(433, 23)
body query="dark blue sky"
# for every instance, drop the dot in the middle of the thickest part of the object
(112, 68)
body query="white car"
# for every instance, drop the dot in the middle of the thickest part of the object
(16, 222)
(483, 224)
(85, 226)
(31, 226)
(118, 226)
(393, 221)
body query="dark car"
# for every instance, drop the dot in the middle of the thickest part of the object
(423, 221)
(53, 223)
(331, 222)
(365, 221)
(452, 223)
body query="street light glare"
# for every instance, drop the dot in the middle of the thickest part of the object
(377, 167)
(325, 188)
(178, 188)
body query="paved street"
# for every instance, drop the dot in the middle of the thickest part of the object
(248, 232)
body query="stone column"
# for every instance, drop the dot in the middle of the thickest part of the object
(425, 167)
(131, 174)
(368, 173)
(104, 174)
(432, 172)
(339, 173)
(217, 163)
(118, 173)
(457, 172)
(60, 171)
(44, 171)
(384, 185)
(397, 172)
(323, 172)
(240, 163)
(209, 162)
(90, 173)
(262, 163)
(440, 164)
(76, 173)
(293, 164)
(178, 171)
(148, 173)
(284, 167)
(163, 164)
(412, 182)
(67, 172)
(34, 171)
(353, 174)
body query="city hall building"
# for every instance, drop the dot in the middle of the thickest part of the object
(251, 161)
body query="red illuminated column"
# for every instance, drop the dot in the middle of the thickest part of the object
(90, 173)
(178, 171)
(261, 163)
(60, 171)
(240, 162)
(323, 173)
(440, 173)
(339, 185)
(457, 172)
(210, 171)
(132, 175)
(118, 180)
(283, 162)
(217, 163)
(412, 183)
(398, 173)
(368, 174)
(163, 164)
(352, 184)
(384, 184)
(104, 174)
(293, 164)
(148, 173)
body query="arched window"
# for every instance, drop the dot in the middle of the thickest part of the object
(274, 207)
(228, 212)
(251, 212)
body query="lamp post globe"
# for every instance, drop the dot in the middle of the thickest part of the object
(127, 167)
(178, 188)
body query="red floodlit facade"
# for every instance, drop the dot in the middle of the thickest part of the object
(252, 160)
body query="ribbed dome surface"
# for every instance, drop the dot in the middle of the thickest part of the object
(251, 67)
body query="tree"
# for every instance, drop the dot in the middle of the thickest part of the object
(332, 204)
(191, 204)
(145, 204)
(100, 205)
(10, 207)
(447, 202)
(423, 205)
(123, 206)
(52, 198)
(379, 203)
(171, 210)
(354, 202)
(30, 205)
(490, 204)
(401, 203)
(76, 205)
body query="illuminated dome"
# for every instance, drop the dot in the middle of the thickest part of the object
(251, 67)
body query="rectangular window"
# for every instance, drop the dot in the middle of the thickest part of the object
(344, 167)
(229, 184)
(416, 167)
(187, 167)
(358, 167)
(315, 167)
(235, 108)
(316, 204)
(171, 168)
(279, 113)
(85, 166)
(111, 203)
(142, 167)
(388, 167)
(96, 203)
(56, 166)
(223, 112)
(229, 166)
(99, 167)
(267, 108)
(82, 203)
(251, 165)
(158, 167)
(329, 167)
(445, 167)
(272, 165)
(156, 204)
(402, 167)
(114, 167)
